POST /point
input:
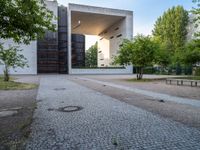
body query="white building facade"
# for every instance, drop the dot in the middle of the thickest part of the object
(111, 25)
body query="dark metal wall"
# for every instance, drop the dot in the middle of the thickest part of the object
(63, 39)
(52, 50)
(78, 50)
(47, 53)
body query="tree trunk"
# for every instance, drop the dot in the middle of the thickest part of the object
(139, 73)
(6, 74)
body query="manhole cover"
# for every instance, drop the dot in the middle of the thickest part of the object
(161, 101)
(70, 108)
(50, 109)
(59, 89)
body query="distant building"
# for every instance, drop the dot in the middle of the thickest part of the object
(191, 28)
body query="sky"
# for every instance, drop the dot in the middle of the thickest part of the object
(145, 12)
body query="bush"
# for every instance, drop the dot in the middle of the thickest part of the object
(170, 70)
(11, 58)
(197, 72)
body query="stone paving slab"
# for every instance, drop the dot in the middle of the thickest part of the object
(103, 123)
(156, 95)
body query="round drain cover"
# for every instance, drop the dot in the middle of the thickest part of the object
(59, 89)
(70, 108)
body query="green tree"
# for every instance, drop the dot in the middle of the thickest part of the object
(11, 58)
(191, 55)
(170, 29)
(196, 12)
(91, 56)
(139, 52)
(24, 20)
(162, 56)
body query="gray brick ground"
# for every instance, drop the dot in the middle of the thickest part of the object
(104, 123)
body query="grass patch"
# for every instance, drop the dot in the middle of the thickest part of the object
(12, 85)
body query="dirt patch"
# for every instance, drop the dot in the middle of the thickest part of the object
(15, 128)
(185, 114)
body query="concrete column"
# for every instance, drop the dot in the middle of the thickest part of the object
(69, 42)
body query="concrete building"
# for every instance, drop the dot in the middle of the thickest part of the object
(191, 28)
(53, 54)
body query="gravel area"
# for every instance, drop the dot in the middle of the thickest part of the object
(102, 123)
(155, 95)
(27, 78)
(19, 98)
(16, 110)
(155, 86)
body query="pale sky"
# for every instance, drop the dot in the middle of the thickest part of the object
(145, 11)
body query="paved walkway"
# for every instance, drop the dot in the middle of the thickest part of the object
(192, 102)
(103, 123)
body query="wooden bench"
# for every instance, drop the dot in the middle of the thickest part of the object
(193, 83)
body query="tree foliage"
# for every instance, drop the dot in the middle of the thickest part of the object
(24, 20)
(162, 56)
(170, 29)
(191, 55)
(139, 52)
(91, 56)
(125, 53)
(11, 58)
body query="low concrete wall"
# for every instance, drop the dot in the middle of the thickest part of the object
(127, 70)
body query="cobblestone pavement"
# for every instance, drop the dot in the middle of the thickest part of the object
(167, 97)
(103, 123)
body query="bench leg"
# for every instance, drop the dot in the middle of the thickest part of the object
(196, 84)
(191, 83)
(181, 82)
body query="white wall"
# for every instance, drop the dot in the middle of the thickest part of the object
(109, 42)
(103, 52)
(29, 51)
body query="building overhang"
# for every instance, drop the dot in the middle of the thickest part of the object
(111, 25)
(94, 20)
